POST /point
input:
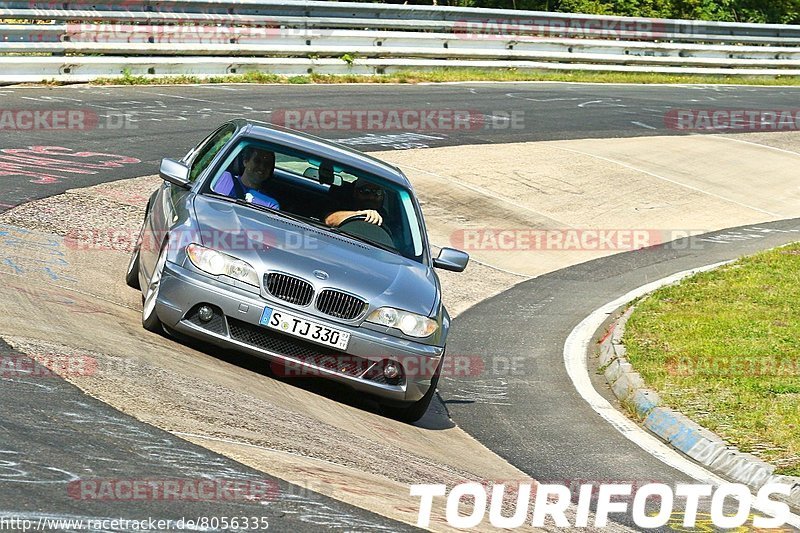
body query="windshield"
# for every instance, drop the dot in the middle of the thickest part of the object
(326, 193)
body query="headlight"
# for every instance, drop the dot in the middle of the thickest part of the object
(411, 324)
(220, 264)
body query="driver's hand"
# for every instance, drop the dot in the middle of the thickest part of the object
(373, 217)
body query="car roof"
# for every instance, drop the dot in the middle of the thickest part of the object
(327, 149)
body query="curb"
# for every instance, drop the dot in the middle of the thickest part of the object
(676, 429)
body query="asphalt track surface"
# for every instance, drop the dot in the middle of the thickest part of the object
(149, 123)
(533, 417)
(66, 436)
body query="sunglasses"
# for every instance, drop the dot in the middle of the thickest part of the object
(369, 191)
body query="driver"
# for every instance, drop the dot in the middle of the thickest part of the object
(259, 166)
(367, 200)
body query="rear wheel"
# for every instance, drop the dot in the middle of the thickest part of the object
(150, 319)
(414, 411)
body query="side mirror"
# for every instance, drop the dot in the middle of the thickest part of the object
(174, 172)
(451, 259)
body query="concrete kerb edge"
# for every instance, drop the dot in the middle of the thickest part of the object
(681, 433)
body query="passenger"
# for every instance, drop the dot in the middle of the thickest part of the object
(366, 199)
(259, 166)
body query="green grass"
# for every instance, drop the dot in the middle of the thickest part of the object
(449, 75)
(723, 347)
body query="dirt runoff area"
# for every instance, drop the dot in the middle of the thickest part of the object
(495, 202)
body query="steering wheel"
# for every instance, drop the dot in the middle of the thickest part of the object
(357, 225)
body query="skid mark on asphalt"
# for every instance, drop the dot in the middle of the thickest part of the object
(136, 110)
(396, 141)
(489, 392)
(92, 427)
(15, 467)
(745, 234)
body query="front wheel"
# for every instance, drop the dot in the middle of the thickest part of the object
(132, 275)
(414, 411)
(150, 319)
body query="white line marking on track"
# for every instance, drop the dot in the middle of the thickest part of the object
(525, 277)
(187, 98)
(728, 138)
(575, 349)
(555, 99)
(674, 182)
(642, 124)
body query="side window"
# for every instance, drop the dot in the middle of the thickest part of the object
(206, 153)
(295, 165)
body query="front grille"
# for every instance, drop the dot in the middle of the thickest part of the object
(340, 305)
(298, 349)
(293, 290)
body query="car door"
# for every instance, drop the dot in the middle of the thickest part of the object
(169, 202)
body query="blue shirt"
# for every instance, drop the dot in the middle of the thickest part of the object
(225, 185)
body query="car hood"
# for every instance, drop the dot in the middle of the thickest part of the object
(273, 243)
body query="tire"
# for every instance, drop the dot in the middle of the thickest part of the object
(414, 411)
(150, 320)
(132, 275)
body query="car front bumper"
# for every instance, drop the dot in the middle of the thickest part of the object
(237, 327)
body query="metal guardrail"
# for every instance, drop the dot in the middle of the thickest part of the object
(409, 18)
(76, 40)
(369, 10)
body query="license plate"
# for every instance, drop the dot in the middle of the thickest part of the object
(305, 329)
